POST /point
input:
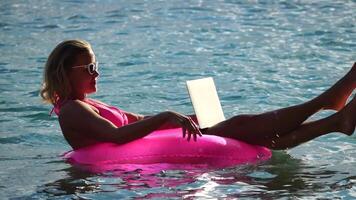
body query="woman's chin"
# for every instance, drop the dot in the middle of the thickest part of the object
(93, 90)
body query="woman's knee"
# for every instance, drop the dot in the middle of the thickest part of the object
(241, 122)
(233, 127)
(241, 119)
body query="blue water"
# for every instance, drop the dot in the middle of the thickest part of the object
(263, 55)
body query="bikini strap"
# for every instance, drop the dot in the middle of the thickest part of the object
(57, 107)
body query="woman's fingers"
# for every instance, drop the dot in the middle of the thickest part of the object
(189, 136)
(196, 127)
(194, 131)
(184, 131)
(188, 126)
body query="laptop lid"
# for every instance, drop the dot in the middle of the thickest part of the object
(205, 100)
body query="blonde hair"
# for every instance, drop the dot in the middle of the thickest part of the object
(56, 86)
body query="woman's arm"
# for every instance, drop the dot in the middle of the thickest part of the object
(77, 117)
(133, 117)
(169, 125)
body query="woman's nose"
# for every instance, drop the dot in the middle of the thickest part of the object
(96, 73)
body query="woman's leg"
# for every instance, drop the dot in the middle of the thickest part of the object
(266, 126)
(343, 121)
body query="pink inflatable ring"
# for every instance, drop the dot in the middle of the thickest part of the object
(168, 146)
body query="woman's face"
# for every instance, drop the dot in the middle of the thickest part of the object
(81, 81)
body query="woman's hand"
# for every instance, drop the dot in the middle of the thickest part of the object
(188, 125)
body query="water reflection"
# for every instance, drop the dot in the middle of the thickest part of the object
(281, 177)
(73, 184)
(286, 177)
(79, 182)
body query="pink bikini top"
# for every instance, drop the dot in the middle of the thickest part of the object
(111, 113)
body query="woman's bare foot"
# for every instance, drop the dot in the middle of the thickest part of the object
(336, 97)
(347, 118)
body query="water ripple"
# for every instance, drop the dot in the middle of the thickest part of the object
(77, 17)
(117, 14)
(263, 55)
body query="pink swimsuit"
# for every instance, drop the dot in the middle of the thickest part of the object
(111, 113)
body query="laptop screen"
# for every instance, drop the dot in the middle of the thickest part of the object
(206, 103)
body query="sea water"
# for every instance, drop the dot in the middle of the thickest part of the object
(262, 54)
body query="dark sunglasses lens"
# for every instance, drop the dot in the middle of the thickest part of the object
(92, 68)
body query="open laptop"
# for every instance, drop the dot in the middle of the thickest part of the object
(206, 103)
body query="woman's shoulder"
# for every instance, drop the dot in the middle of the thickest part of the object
(75, 106)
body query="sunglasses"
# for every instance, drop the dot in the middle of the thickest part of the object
(92, 67)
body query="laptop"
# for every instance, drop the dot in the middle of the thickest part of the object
(205, 100)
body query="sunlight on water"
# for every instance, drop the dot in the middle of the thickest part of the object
(263, 55)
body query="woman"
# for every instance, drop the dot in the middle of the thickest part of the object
(72, 70)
